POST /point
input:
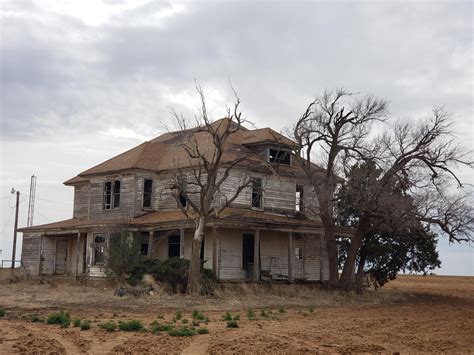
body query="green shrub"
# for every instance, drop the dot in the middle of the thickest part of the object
(203, 331)
(76, 322)
(178, 315)
(182, 332)
(199, 316)
(2, 312)
(61, 318)
(131, 326)
(108, 326)
(123, 255)
(227, 316)
(36, 319)
(232, 324)
(85, 324)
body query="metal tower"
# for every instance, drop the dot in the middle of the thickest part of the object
(31, 204)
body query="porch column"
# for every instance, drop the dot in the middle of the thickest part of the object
(215, 263)
(181, 243)
(78, 241)
(291, 251)
(256, 256)
(150, 244)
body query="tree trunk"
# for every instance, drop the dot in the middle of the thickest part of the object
(347, 277)
(194, 278)
(331, 247)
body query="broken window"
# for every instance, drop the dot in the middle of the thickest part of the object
(278, 156)
(299, 206)
(99, 249)
(257, 193)
(147, 193)
(182, 200)
(111, 195)
(299, 253)
(174, 246)
(144, 248)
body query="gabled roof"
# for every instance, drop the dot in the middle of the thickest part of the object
(166, 151)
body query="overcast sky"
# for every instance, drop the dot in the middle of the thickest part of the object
(82, 81)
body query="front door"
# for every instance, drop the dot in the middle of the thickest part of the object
(61, 257)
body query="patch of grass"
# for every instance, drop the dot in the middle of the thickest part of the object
(2, 312)
(76, 322)
(36, 319)
(281, 310)
(182, 332)
(178, 315)
(184, 321)
(198, 315)
(131, 326)
(195, 323)
(311, 310)
(232, 324)
(203, 331)
(62, 318)
(157, 327)
(85, 324)
(108, 326)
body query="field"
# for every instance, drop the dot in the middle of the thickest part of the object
(410, 314)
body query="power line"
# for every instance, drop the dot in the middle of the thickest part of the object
(8, 220)
(61, 203)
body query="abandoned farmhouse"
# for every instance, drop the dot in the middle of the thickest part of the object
(271, 230)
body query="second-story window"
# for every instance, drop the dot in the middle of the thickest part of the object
(257, 193)
(299, 206)
(147, 193)
(111, 197)
(278, 156)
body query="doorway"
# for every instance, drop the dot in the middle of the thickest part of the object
(61, 257)
(248, 251)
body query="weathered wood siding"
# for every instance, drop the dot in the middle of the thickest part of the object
(30, 253)
(230, 255)
(127, 184)
(274, 251)
(81, 201)
(48, 255)
(279, 195)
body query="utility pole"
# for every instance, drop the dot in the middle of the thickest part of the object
(16, 226)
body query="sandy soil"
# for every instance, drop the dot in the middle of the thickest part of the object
(411, 314)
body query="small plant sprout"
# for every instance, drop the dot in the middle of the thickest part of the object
(182, 332)
(251, 314)
(36, 319)
(178, 315)
(311, 310)
(2, 312)
(227, 316)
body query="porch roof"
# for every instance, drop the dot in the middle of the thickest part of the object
(230, 218)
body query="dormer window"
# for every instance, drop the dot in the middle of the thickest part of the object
(147, 193)
(279, 156)
(111, 197)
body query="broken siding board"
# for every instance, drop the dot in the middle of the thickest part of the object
(30, 253)
(81, 201)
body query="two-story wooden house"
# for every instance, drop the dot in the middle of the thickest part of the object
(271, 230)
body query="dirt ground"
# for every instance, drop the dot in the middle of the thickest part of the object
(411, 314)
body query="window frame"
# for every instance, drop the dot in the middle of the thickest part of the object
(299, 199)
(178, 243)
(114, 196)
(278, 160)
(150, 193)
(96, 245)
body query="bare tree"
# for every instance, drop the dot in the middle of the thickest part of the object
(334, 127)
(197, 188)
(419, 158)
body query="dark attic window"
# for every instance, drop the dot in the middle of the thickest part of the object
(278, 156)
